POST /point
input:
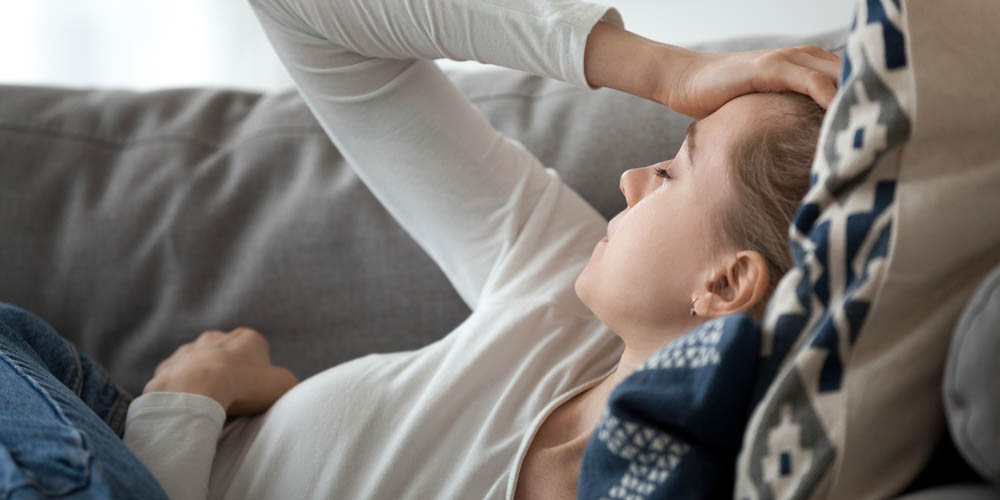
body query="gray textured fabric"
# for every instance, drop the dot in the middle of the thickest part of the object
(971, 392)
(133, 221)
(956, 492)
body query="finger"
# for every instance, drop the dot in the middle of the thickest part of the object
(825, 66)
(817, 51)
(286, 378)
(210, 335)
(244, 331)
(279, 381)
(817, 85)
(252, 343)
(820, 87)
(249, 336)
(268, 386)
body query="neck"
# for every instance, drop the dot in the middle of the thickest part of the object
(597, 396)
(590, 404)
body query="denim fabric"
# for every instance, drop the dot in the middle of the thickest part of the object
(61, 420)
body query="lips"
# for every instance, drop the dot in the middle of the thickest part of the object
(609, 226)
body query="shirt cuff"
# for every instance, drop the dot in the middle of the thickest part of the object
(583, 23)
(180, 402)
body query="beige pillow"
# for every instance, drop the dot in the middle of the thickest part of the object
(898, 229)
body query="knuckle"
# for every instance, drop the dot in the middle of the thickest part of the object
(209, 334)
(251, 336)
(245, 331)
(771, 57)
(774, 59)
(818, 80)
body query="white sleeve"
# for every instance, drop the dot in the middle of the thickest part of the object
(175, 436)
(461, 189)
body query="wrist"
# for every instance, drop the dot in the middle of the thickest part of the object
(619, 59)
(673, 63)
(202, 381)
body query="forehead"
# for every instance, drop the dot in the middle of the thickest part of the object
(714, 133)
(713, 139)
(738, 113)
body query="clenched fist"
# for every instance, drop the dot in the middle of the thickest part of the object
(232, 368)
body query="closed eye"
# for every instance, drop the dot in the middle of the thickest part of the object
(660, 172)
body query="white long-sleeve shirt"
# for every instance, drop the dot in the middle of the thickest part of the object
(454, 419)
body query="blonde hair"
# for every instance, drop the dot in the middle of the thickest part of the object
(770, 173)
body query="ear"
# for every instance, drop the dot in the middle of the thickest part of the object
(739, 286)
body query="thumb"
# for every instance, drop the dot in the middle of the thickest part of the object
(275, 382)
(264, 388)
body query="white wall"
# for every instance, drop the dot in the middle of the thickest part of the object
(678, 22)
(140, 44)
(136, 43)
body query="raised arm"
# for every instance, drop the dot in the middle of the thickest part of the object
(542, 37)
(463, 191)
(698, 83)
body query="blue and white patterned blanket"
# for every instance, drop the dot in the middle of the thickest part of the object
(673, 428)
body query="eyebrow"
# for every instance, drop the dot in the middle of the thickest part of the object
(692, 129)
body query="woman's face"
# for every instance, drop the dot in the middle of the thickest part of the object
(664, 247)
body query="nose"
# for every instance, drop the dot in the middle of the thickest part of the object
(629, 187)
(634, 182)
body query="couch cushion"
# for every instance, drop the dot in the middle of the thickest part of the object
(971, 392)
(142, 219)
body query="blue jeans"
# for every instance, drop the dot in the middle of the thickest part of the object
(61, 420)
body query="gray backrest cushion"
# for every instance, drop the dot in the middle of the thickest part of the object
(971, 388)
(133, 221)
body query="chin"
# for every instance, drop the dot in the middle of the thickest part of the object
(578, 288)
(582, 288)
(584, 291)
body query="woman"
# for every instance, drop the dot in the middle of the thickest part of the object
(504, 405)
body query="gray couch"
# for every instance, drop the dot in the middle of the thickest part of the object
(134, 221)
